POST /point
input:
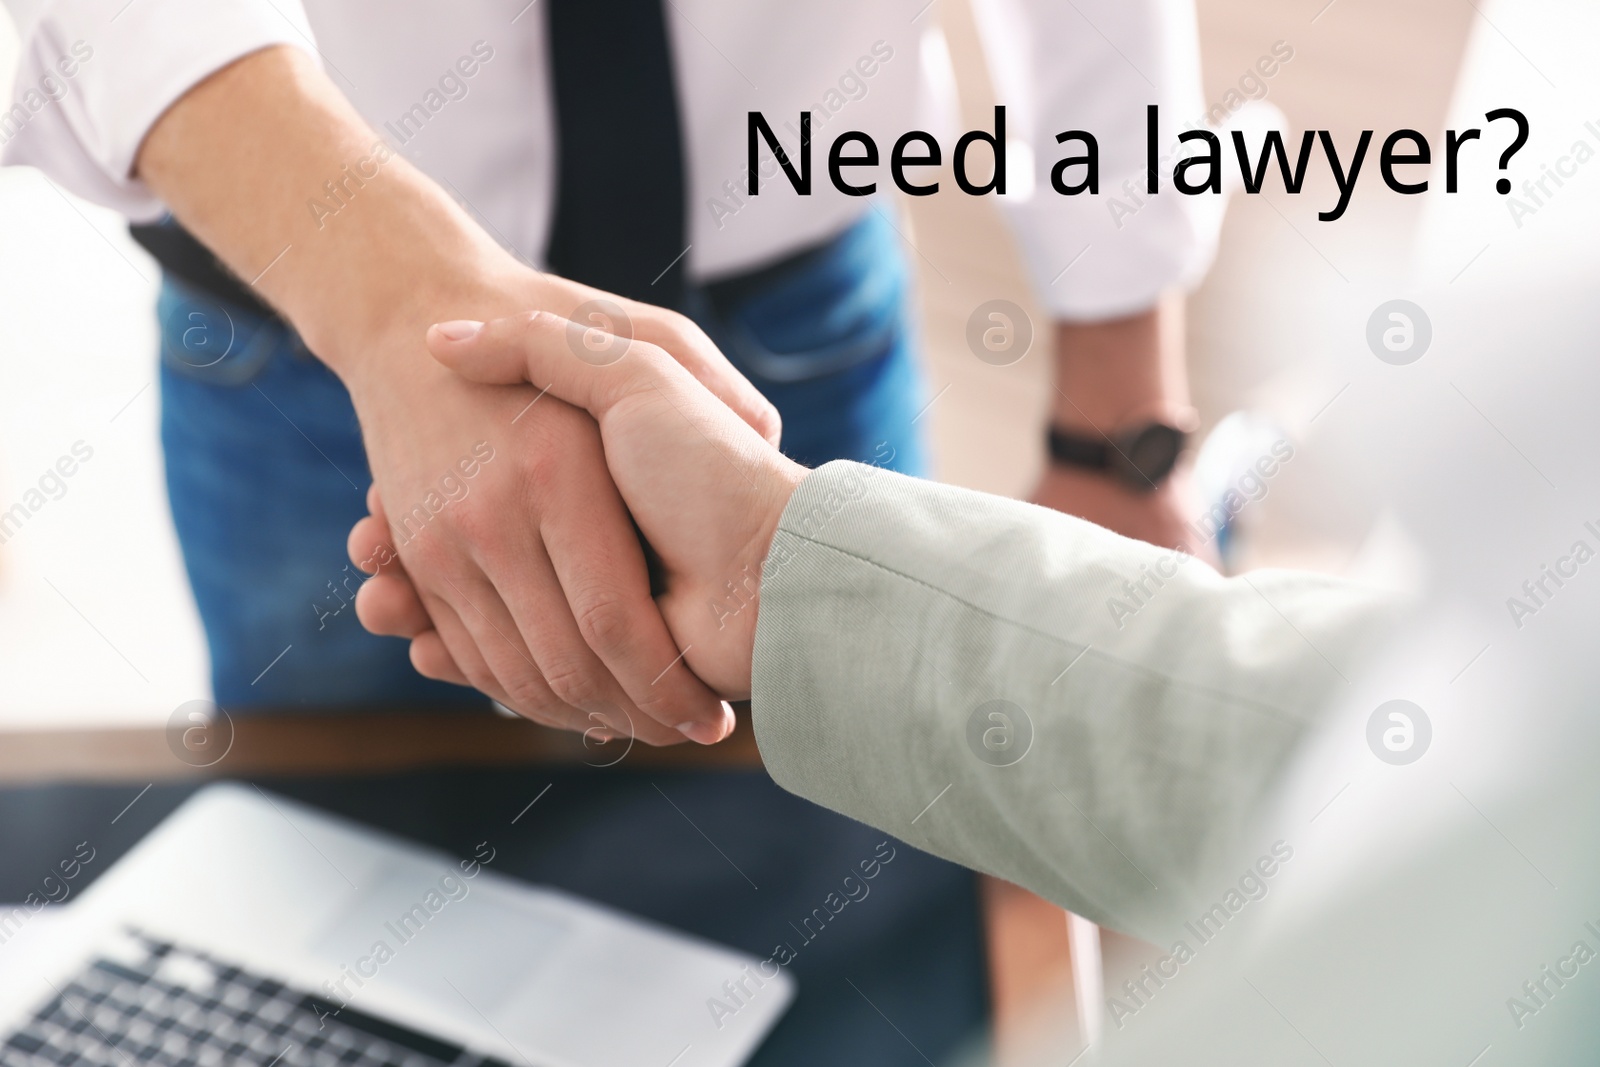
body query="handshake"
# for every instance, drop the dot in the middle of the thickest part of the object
(557, 619)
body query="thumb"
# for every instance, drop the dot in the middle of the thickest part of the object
(582, 365)
(599, 333)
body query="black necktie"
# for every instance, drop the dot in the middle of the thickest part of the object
(619, 208)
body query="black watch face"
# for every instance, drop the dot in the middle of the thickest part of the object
(1152, 453)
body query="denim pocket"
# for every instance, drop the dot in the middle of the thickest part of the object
(838, 307)
(213, 341)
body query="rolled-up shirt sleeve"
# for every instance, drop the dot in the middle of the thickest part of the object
(95, 75)
(1095, 65)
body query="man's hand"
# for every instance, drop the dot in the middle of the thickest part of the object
(533, 576)
(706, 490)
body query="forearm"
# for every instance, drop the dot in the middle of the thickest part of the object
(1112, 371)
(1149, 702)
(244, 158)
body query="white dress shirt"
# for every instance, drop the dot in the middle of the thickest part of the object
(462, 90)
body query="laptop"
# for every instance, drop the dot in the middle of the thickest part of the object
(249, 929)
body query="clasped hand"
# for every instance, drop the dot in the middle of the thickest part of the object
(704, 488)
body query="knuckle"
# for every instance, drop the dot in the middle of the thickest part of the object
(479, 678)
(539, 476)
(669, 708)
(770, 421)
(424, 554)
(684, 330)
(661, 700)
(533, 325)
(573, 682)
(471, 522)
(604, 623)
(671, 331)
(529, 694)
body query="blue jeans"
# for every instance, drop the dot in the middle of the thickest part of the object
(267, 473)
(831, 344)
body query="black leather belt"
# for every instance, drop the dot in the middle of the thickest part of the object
(182, 256)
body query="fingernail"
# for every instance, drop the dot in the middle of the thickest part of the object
(701, 733)
(459, 329)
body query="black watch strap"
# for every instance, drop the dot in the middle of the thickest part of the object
(1090, 453)
(1140, 457)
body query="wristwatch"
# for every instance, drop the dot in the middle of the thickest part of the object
(1140, 457)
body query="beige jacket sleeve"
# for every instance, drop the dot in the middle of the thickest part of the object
(1031, 695)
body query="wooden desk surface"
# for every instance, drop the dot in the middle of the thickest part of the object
(1030, 969)
(356, 743)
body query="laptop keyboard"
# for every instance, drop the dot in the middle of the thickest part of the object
(148, 1002)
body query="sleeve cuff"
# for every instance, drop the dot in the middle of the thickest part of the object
(1011, 688)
